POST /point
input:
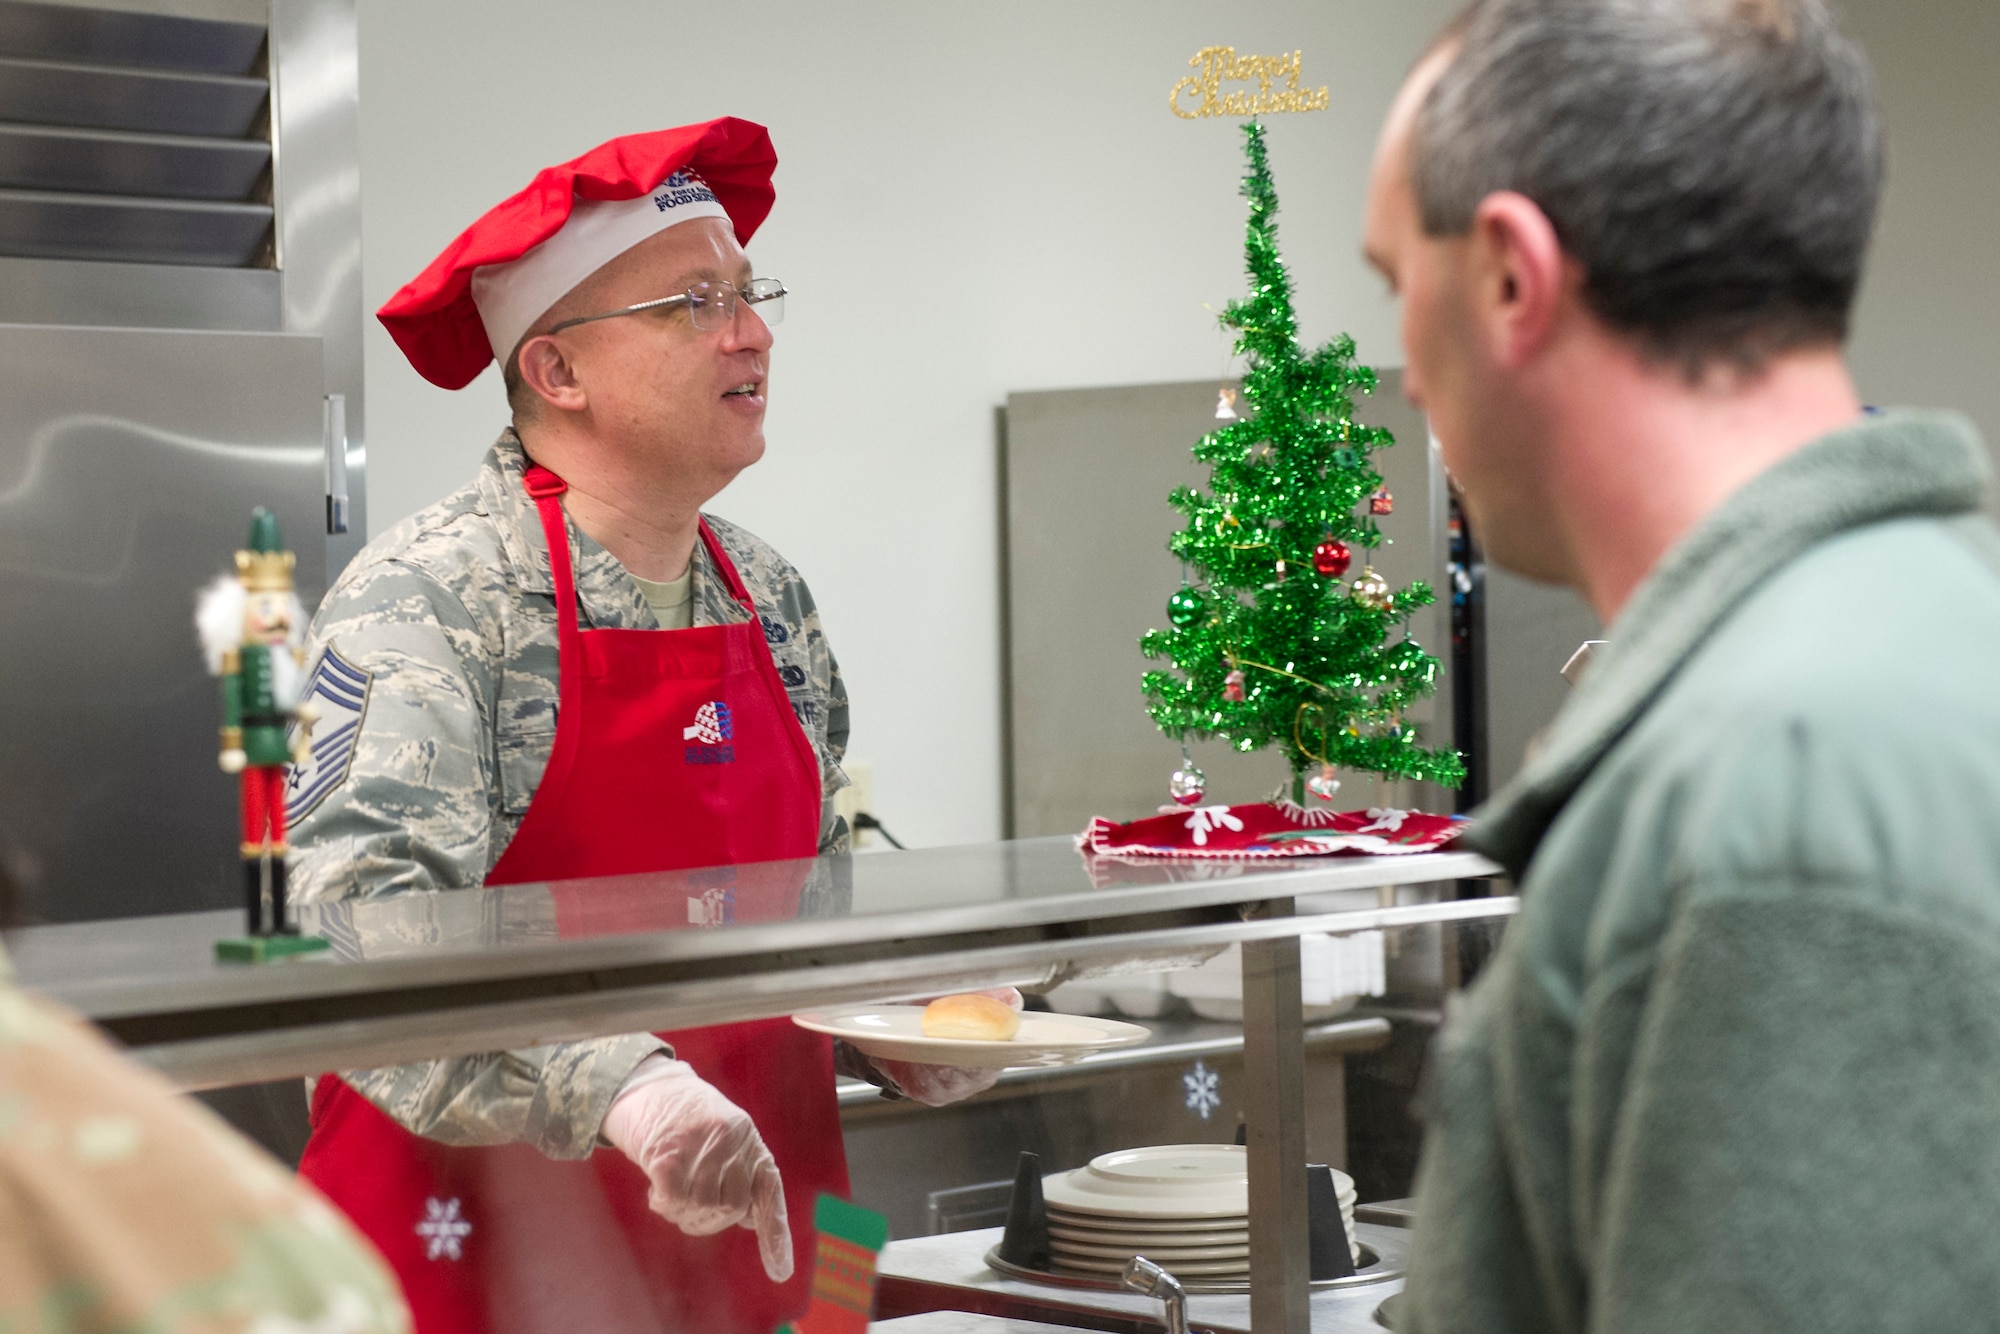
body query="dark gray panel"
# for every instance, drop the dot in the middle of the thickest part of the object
(48, 92)
(35, 157)
(1088, 472)
(139, 231)
(129, 463)
(120, 37)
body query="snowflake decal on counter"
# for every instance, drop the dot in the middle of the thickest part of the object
(444, 1230)
(1204, 1089)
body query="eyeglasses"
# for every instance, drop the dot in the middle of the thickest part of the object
(711, 305)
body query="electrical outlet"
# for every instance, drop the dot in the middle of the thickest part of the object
(857, 796)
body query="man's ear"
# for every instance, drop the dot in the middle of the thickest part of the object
(549, 375)
(1519, 276)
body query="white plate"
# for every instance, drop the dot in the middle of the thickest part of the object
(1092, 1236)
(895, 1033)
(1206, 1223)
(1066, 1250)
(1159, 1227)
(1174, 1182)
(1180, 1269)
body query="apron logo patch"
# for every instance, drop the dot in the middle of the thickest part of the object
(339, 690)
(715, 907)
(713, 731)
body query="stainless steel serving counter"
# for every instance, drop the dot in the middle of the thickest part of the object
(423, 975)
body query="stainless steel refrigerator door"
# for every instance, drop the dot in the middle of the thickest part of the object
(130, 460)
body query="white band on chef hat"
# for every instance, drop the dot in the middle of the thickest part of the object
(512, 296)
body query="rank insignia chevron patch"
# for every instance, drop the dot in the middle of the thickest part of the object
(339, 690)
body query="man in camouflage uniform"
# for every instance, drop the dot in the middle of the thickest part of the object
(635, 342)
(616, 296)
(447, 622)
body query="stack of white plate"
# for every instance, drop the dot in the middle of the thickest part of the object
(1183, 1206)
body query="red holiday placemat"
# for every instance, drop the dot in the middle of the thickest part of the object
(1265, 830)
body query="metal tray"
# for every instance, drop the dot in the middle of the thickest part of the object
(131, 228)
(124, 162)
(50, 92)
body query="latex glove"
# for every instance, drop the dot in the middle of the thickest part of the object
(942, 1085)
(707, 1164)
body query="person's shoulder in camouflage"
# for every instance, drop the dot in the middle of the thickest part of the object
(403, 646)
(124, 1206)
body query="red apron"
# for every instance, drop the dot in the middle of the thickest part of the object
(673, 749)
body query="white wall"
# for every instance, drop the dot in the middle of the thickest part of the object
(972, 199)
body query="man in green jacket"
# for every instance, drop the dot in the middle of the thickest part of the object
(1737, 1063)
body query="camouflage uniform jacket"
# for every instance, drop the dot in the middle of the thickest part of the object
(436, 677)
(127, 1207)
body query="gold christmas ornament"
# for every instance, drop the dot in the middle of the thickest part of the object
(1371, 590)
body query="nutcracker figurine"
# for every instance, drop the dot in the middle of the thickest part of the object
(253, 630)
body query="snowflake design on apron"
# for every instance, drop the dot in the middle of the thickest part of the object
(1204, 1089)
(443, 1230)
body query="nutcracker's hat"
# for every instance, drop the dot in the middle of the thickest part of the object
(474, 302)
(264, 565)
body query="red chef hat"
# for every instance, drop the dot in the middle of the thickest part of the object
(569, 222)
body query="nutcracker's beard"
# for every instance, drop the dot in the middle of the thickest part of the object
(218, 619)
(287, 681)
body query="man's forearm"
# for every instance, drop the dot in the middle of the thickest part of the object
(553, 1098)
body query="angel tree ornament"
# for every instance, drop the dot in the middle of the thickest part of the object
(252, 629)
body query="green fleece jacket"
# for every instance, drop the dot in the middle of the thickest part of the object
(1736, 1065)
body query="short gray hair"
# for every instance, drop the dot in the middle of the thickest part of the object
(1713, 165)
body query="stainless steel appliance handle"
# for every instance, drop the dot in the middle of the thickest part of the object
(1143, 1276)
(336, 463)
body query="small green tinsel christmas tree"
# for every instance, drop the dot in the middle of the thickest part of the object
(1273, 645)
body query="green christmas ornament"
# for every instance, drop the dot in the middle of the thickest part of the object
(1186, 608)
(1256, 659)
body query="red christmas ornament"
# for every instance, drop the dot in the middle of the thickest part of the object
(1232, 686)
(1331, 558)
(1382, 502)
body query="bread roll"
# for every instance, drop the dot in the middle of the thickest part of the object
(971, 1016)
